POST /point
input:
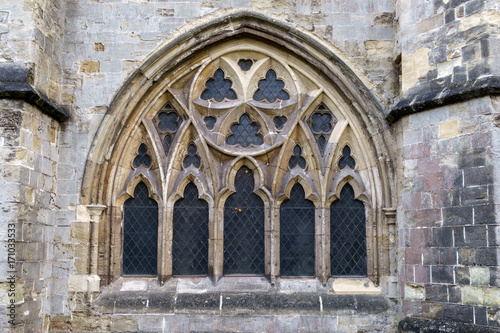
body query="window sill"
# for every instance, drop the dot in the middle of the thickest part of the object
(242, 295)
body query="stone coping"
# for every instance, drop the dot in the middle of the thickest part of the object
(441, 92)
(233, 303)
(417, 325)
(15, 83)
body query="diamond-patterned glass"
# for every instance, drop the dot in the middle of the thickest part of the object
(279, 122)
(168, 121)
(322, 122)
(210, 122)
(244, 228)
(271, 88)
(348, 234)
(218, 88)
(245, 133)
(140, 233)
(245, 64)
(297, 235)
(190, 240)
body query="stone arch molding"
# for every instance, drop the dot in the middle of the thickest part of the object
(174, 77)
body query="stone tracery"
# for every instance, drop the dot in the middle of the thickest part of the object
(297, 126)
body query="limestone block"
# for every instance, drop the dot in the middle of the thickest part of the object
(448, 129)
(87, 283)
(479, 276)
(414, 291)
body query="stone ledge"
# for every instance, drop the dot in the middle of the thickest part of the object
(15, 84)
(415, 325)
(441, 92)
(230, 303)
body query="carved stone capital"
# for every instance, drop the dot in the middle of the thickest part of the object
(95, 212)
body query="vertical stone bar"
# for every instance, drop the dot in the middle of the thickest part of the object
(95, 215)
(392, 283)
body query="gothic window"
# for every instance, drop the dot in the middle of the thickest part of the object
(190, 239)
(348, 234)
(140, 233)
(297, 235)
(244, 228)
(236, 132)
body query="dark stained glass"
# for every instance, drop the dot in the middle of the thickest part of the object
(142, 157)
(210, 122)
(190, 234)
(279, 122)
(348, 234)
(140, 233)
(297, 159)
(346, 159)
(192, 158)
(321, 143)
(244, 228)
(322, 122)
(218, 88)
(297, 236)
(245, 133)
(271, 89)
(168, 142)
(168, 121)
(245, 64)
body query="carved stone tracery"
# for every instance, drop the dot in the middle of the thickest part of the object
(297, 112)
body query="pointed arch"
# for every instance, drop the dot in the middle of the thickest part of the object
(178, 62)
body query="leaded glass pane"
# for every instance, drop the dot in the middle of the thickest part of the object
(297, 235)
(271, 88)
(245, 64)
(348, 234)
(279, 122)
(245, 133)
(140, 233)
(244, 228)
(322, 122)
(218, 88)
(142, 157)
(346, 159)
(190, 239)
(210, 122)
(297, 159)
(191, 158)
(168, 121)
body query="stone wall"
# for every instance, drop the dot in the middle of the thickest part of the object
(30, 154)
(448, 224)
